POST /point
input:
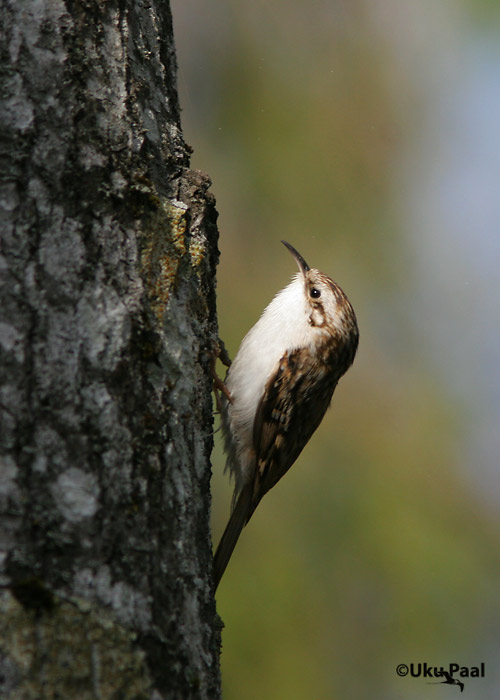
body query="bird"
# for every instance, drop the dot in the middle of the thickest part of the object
(279, 387)
(449, 681)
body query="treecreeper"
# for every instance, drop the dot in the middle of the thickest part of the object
(279, 387)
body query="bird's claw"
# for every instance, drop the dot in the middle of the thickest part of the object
(219, 387)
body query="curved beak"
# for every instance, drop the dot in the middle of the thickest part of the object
(303, 266)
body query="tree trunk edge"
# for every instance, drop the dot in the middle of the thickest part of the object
(109, 254)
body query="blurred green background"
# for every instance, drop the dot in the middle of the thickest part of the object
(366, 133)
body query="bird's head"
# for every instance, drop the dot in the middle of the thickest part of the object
(329, 310)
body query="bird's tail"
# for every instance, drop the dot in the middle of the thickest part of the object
(239, 517)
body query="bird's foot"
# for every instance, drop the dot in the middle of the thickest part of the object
(219, 387)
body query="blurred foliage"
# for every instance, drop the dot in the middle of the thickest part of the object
(372, 551)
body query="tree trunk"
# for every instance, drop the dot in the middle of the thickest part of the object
(109, 249)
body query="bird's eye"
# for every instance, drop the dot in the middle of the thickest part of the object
(315, 293)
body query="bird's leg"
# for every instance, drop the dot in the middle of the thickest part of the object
(222, 353)
(219, 387)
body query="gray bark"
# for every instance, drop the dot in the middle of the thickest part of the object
(109, 248)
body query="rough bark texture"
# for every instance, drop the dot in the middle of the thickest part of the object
(109, 248)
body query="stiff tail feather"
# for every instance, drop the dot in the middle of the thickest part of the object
(239, 517)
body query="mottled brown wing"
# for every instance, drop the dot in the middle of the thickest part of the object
(292, 406)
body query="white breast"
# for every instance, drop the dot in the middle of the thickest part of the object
(284, 325)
